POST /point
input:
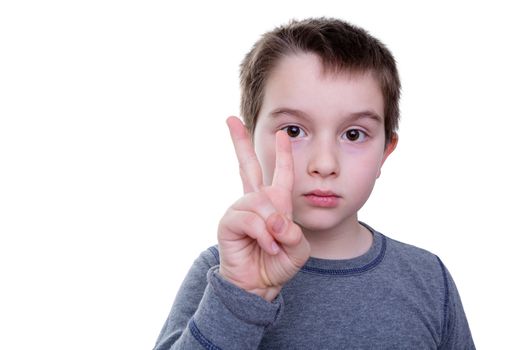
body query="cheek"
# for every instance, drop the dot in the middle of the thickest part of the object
(362, 167)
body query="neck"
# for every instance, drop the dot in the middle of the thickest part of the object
(345, 242)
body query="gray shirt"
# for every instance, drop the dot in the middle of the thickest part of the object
(395, 296)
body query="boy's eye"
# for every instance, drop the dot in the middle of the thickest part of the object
(293, 131)
(355, 135)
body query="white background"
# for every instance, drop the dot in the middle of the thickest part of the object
(116, 164)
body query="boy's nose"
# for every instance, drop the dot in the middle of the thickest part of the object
(323, 160)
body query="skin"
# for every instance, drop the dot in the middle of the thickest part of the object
(315, 131)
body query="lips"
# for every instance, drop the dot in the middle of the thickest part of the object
(323, 199)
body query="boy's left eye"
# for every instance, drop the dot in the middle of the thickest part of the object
(355, 135)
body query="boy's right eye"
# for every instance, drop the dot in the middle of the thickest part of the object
(293, 131)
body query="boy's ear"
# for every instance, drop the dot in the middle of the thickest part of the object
(388, 150)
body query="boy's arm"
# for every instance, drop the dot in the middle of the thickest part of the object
(229, 306)
(261, 246)
(456, 334)
(211, 313)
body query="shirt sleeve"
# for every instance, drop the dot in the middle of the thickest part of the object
(456, 331)
(211, 313)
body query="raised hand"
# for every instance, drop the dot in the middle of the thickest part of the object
(261, 248)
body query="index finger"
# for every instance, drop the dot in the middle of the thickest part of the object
(251, 174)
(283, 175)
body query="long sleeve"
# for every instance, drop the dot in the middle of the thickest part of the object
(211, 313)
(456, 333)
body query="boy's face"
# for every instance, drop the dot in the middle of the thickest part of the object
(336, 126)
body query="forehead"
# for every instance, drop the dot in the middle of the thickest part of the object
(301, 82)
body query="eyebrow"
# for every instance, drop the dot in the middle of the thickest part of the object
(367, 114)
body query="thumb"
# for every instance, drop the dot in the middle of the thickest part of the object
(290, 237)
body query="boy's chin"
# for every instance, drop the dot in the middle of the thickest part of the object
(323, 222)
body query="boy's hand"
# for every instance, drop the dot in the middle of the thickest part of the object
(261, 248)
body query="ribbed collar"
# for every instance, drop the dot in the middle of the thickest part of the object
(357, 265)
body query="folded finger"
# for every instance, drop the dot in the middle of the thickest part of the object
(290, 237)
(243, 223)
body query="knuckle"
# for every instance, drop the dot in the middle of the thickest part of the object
(261, 199)
(250, 219)
(225, 221)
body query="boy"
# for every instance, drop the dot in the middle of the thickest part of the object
(294, 268)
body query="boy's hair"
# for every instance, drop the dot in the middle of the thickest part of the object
(341, 47)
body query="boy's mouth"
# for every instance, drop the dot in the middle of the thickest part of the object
(323, 199)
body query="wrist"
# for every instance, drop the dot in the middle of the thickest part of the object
(267, 293)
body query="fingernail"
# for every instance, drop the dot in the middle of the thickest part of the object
(278, 224)
(275, 248)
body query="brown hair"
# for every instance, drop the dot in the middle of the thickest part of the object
(340, 46)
